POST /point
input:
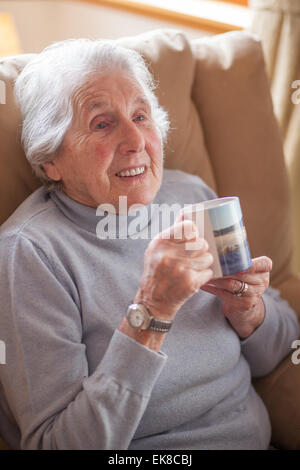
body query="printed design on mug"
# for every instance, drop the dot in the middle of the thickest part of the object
(230, 236)
(233, 249)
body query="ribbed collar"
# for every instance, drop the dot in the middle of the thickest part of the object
(87, 217)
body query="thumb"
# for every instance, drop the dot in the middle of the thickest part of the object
(262, 264)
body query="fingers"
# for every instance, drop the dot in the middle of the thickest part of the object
(257, 283)
(204, 277)
(181, 232)
(246, 300)
(200, 262)
(234, 285)
(219, 292)
(262, 264)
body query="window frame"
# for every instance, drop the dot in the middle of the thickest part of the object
(211, 25)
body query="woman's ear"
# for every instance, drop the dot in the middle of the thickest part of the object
(52, 171)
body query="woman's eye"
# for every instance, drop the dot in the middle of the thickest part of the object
(139, 118)
(101, 125)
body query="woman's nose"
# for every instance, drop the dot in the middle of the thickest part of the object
(132, 139)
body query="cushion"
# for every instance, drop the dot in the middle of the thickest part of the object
(280, 393)
(16, 178)
(231, 92)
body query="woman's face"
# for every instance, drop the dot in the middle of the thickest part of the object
(112, 132)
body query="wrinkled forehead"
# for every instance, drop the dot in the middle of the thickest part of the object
(103, 88)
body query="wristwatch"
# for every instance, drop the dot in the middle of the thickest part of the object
(140, 318)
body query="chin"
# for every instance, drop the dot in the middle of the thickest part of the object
(144, 200)
(145, 197)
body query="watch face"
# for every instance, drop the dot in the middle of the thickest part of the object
(136, 318)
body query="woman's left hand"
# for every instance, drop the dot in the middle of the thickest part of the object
(246, 312)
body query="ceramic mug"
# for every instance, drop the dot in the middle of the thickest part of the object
(220, 222)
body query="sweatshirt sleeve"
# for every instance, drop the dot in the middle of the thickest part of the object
(46, 381)
(271, 342)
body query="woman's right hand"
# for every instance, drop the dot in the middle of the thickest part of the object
(173, 273)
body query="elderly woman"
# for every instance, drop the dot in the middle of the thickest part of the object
(82, 373)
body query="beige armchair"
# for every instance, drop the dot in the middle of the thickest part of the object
(222, 129)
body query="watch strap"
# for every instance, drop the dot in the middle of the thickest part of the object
(159, 325)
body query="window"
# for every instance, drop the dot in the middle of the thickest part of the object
(214, 16)
(244, 3)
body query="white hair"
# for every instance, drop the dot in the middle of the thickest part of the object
(46, 86)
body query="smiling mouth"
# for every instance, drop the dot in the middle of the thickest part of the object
(133, 172)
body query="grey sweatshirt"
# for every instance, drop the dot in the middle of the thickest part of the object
(72, 380)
